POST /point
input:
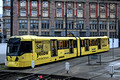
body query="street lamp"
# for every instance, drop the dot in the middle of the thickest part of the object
(33, 30)
(11, 29)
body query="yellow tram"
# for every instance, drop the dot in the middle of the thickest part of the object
(21, 50)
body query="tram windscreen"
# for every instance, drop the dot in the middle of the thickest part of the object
(13, 47)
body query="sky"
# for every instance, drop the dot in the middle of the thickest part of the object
(1, 4)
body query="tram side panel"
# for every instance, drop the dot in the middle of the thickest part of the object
(94, 45)
(41, 52)
(104, 44)
(85, 47)
(63, 49)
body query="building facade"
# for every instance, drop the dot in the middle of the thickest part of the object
(47, 17)
(1, 28)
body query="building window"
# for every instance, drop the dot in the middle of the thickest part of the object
(112, 15)
(34, 3)
(103, 33)
(79, 5)
(22, 32)
(7, 12)
(7, 2)
(112, 34)
(23, 3)
(102, 10)
(45, 13)
(7, 22)
(59, 12)
(69, 12)
(79, 13)
(93, 33)
(45, 33)
(34, 24)
(102, 25)
(33, 33)
(93, 24)
(112, 25)
(70, 24)
(34, 13)
(80, 24)
(93, 10)
(44, 4)
(23, 13)
(58, 33)
(23, 24)
(45, 24)
(59, 24)
(59, 9)
(59, 4)
(112, 11)
(69, 5)
(79, 9)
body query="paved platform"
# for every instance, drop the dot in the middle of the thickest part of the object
(79, 67)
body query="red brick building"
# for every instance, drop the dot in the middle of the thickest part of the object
(47, 17)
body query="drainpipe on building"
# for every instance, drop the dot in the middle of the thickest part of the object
(119, 23)
(119, 31)
(66, 19)
(98, 19)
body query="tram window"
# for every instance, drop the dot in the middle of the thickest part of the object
(63, 44)
(87, 42)
(96, 42)
(82, 43)
(60, 44)
(26, 47)
(93, 42)
(71, 43)
(75, 44)
(67, 42)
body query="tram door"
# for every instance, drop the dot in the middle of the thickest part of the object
(99, 44)
(71, 46)
(86, 45)
(54, 48)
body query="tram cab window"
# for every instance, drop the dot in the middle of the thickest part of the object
(26, 47)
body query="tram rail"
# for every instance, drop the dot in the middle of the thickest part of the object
(49, 77)
(36, 76)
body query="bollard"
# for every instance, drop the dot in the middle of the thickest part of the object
(67, 66)
(111, 70)
(32, 65)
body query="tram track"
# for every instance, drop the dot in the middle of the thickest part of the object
(11, 75)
